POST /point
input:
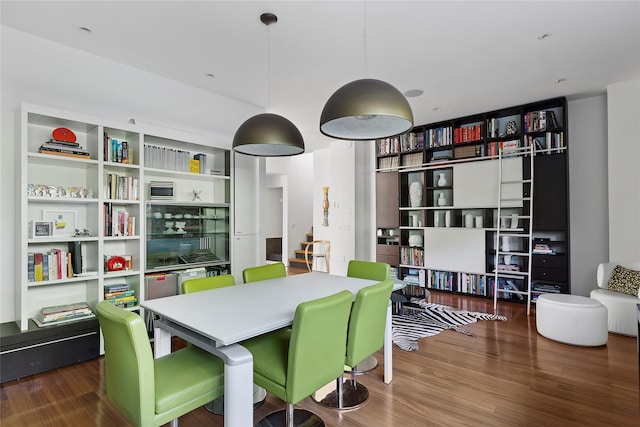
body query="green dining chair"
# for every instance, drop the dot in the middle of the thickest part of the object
(264, 272)
(373, 271)
(293, 363)
(207, 283)
(147, 391)
(214, 282)
(366, 336)
(368, 270)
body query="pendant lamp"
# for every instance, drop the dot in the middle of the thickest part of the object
(366, 109)
(268, 135)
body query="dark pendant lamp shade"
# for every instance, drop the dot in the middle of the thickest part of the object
(268, 135)
(364, 110)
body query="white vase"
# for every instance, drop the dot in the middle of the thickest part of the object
(442, 180)
(468, 220)
(447, 219)
(514, 220)
(441, 200)
(506, 243)
(415, 240)
(415, 194)
(436, 219)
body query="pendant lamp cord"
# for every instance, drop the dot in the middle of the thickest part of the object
(268, 67)
(365, 38)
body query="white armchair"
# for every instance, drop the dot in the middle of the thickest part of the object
(621, 307)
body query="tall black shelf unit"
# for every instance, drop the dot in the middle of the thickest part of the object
(445, 144)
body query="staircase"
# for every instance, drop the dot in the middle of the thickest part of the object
(298, 260)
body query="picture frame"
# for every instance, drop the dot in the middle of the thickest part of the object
(41, 229)
(64, 222)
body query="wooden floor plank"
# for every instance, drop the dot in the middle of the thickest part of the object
(507, 375)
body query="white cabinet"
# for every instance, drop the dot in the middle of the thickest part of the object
(246, 172)
(455, 249)
(476, 183)
(102, 194)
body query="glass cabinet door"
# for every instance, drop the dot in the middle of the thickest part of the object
(181, 236)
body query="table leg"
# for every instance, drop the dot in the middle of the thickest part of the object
(238, 385)
(388, 344)
(161, 342)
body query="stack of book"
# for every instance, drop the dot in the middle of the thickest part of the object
(542, 248)
(63, 313)
(63, 148)
(508, 267)
(121, 295)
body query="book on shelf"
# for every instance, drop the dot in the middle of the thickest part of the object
(468, 133)
(120, 187)
(508, 267)
(510, 147)
(539, 121)
(53, 265)
(542, 248)
(414, 159)
(117, 287)
(439, 137)
(194, 166)
(119, 294)
(118, 222)
(74, 311)
(386, 146)
(546, 287)
(127, 300)
(63, 148)
(388, 162)
(117, 150)
(202, 161)
(64, 154)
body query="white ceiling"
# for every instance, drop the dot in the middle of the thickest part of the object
(467, 56)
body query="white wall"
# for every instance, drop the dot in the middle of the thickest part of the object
(588, 224)
(365, 202)
(297, 172)
(32, 71)
(624, 171)
(333, 167)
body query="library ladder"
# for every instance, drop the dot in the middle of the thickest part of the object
(514, 232)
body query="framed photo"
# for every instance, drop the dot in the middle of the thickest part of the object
(41, 229)
(64, 222)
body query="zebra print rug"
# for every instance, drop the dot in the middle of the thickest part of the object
(433, 319)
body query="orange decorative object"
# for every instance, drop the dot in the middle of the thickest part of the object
(63, 134)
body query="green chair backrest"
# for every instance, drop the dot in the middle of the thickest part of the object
(367, 322)
(128, 363)
(317, 345)
(206, 283)
(368, 270)
(264, 272)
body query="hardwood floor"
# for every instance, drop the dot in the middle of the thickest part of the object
(507, 375)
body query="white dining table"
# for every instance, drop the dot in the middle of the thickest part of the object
(218, 321)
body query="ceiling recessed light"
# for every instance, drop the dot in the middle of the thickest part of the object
(544, 36)
(210, 75)
(556, 81)
(86, 30)
(412, 93)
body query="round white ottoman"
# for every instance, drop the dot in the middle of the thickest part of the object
(572, 319)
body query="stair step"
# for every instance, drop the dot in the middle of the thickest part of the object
(301, 252)
(298, 261)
